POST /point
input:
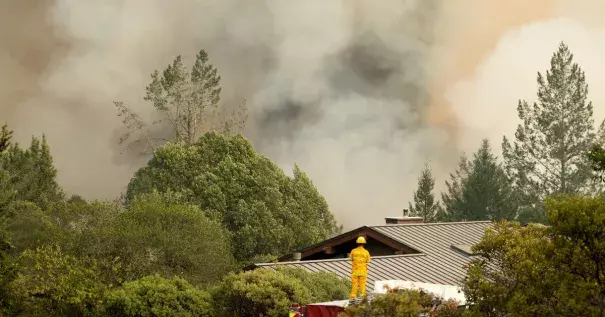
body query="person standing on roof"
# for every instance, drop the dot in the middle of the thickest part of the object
(360, 257)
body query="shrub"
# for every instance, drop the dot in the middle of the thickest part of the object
(259, 293)
(159, 297)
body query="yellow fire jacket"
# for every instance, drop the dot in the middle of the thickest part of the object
(360, 257)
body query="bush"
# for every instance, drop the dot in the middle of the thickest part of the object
(159, 297)
(265, 211)
(157, 237)
(52, 283)
(259, 293)
(323, 286)
(404, 303)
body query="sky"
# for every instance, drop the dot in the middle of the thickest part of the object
(359, 93)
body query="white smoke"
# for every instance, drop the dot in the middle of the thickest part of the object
(358, 93)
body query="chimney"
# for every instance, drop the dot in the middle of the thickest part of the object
(406, 219)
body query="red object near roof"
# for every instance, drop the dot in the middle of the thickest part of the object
(323, 311)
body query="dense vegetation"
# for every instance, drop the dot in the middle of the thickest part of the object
(556, 150)
(207, 204)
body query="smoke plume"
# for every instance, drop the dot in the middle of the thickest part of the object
(359, 93)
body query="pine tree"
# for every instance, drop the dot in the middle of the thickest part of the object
(548, 154)
(32, 172)
(451, 209)
(425, 205)
(188, 102)
(479, 190)
(6, 136)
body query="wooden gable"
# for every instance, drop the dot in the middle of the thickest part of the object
(340, 246)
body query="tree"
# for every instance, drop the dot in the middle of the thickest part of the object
(157, 296)
(479, 190)
(576, 231)
(513, 274)
(425, 205)
(157, 237)
(323, 286)
(265, 211)
(29, 226)
(32, 172)
(188, 103)
(52, 283)
(261, 292)
(543, 271)
(548, 154)
(596, 157)
(404, 303)
(6, 136)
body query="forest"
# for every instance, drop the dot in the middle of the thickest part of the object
(207, 204)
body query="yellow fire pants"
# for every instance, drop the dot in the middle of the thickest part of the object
(358, 282)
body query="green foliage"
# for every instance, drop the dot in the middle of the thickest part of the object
(514, 275)
(156, 237)
(185, 98)
(52, 283)
(265, 292)
(6, 135)
(425, 205)
(543, 271)
(596, 156)
(259, 293)
(403, 303)
(158, 297)
(548, 154)
(8, 267)
(479, 190)
(576, 231)
(188, 102)
(29, 225)
(323, 286)
(32, 173)
(265, 211)
(7, 191)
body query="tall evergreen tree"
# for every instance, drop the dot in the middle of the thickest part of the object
(32, 172)
(6, 136)
(479, 190)
(548, 154)
(451, 208)
(425, 205)
(188, 102)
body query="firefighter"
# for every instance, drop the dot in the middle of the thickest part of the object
(360, 257)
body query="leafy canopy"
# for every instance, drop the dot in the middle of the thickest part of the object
(425, 205)
(548, 153)
(155, 236)
(543, 271)
(261, 292)
(32, 173)
(160, 297)
(265, 211)
(478, 190)
(187, 104)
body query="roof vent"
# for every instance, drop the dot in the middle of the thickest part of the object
(406, 219)
(464, 248)
(296, 256)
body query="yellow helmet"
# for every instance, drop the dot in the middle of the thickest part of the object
(361, 240)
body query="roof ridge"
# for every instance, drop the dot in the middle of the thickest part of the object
(431, 224)
(343, 259)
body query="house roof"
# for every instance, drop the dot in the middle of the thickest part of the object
(441, 259)
(368, 232)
